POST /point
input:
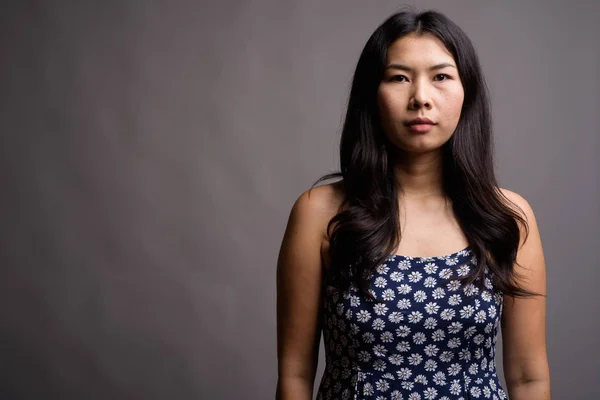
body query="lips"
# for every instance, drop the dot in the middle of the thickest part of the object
(420, 121)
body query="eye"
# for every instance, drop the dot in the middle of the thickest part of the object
(444, 75)
(397, 78)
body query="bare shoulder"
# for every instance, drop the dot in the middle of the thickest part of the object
(531, 265)
(524, 209)
(524, 319)
(318, 205)
(299, 281)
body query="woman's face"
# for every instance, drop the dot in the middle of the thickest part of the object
(420, 80)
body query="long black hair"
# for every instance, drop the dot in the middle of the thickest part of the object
(365, 233)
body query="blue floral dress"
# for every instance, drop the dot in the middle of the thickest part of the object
(430, 339)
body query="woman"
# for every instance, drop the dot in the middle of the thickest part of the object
(411, 261)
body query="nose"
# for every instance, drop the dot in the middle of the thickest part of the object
(420, 97)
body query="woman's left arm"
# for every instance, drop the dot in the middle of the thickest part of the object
(525, 360)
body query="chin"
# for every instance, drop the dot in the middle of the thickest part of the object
(421, 144)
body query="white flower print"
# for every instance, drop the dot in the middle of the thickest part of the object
(471, 290)
(480, 316)
(348, 314)
(475, 392)
(379, 365)
(430, 365)
(439, 378)
(426, 338)
(368, 389)
(404, 289)
(419, 296)
(388, 295)
(380, 282)
(382, 385)
(383, 269)
(453, 286)
(478, 353)
(380, 309)
(464, 354)
(445, 273)
(454, 369)
(363, 316)
(379, 350)
(463, 270)
(368, 337)
(488, 328)
(438, 335)
(454, 342)
(488, 283)
(446, 356)
(430, 268)
(486, 296)
(403, 347)
(447, 314)
(387, 337)
(431, 350)
(470, 331)
(429, 282)
(404, 373)
(430, 393)
(478, 339)
(484, 363)
(364, 356)
(403, 304)
(415, 359)
(378, 324)
(415, 317)
(396, 317)
(455, 327)
(455, 387)
(388, 375)
(396, 359)
(454, 300)
(419, 338)
(451, 261)
(467, 311)
(397, 276)
(473, 368)
(487, 392)
(415, 276)
(430, 323)
(404, 265)
(438, 293)
(403, 331)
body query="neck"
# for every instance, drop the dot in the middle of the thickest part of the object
(419, 175)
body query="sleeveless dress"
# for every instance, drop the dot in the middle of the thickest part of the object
(430, 339)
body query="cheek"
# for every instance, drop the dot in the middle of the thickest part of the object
(453, 106)
(390, 105)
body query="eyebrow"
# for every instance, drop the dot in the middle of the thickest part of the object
(405, 68)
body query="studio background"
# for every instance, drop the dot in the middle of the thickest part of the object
(151, 152)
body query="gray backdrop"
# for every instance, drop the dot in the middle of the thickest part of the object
(151, 152)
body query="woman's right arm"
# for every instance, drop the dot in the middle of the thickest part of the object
(299, 277)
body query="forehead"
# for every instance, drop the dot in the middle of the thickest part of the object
(415, 49)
